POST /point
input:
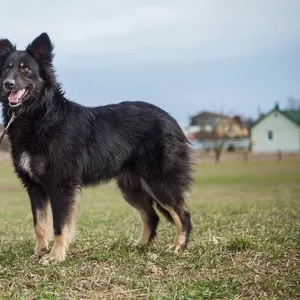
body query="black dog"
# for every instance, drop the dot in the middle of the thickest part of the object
(58, 147)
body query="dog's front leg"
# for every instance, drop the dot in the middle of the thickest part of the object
(40, 210)
(64, 211)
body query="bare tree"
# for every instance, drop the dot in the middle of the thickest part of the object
(224, 130)
(293, 103)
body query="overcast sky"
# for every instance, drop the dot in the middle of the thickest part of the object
(185, 56)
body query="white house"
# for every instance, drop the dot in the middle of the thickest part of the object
(279, 130)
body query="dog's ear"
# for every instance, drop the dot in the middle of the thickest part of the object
(41, 48)
(6, 47)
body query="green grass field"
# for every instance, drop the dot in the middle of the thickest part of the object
(245, 243)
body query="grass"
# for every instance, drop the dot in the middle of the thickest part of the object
(245, 243)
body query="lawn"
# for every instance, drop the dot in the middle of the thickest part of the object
(245, 243)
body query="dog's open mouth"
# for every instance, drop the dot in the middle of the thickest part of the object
(15, 98)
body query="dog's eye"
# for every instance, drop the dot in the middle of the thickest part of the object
(24, 69)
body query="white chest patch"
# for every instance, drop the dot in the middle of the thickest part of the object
(24, 163)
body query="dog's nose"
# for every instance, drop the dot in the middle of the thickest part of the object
(9, 84)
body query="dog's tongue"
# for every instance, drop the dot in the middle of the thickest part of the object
(15, 96)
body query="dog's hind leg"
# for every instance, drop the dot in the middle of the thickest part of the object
(172, 199)
(64, 203)
(182, 220)
(133, 193)
(40, 205)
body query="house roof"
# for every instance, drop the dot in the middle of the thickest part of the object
(206, 118)
(292, 115)
(207, 114)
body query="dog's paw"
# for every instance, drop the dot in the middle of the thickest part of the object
(175, 249)
(138, 244)
(170, 248)
(40, 251)
(33, 256)
(51, 258)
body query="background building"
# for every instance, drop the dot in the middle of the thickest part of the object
(278, 130)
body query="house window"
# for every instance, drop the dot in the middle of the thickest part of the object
(270, 135)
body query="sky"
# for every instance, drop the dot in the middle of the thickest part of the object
(233, 56)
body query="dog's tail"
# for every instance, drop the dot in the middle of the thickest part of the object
(165, 213)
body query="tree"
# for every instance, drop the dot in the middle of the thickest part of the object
(224, 129)
(293, 103)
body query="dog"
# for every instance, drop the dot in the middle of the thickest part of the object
(58, 147)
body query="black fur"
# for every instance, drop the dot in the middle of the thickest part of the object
(71, 146)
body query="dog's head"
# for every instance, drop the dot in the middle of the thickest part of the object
(26, 74)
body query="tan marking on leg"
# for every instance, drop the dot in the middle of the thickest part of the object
(146, 230)
(42, 230)
(180, 238)
(72, 219)
(61, 244)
